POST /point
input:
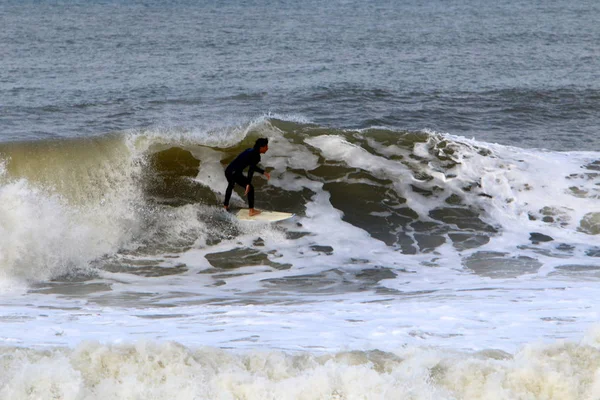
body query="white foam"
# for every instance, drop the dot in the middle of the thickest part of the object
(521, 183)
(169, 370)
(336, 148)
(41, 235)
(284, 155)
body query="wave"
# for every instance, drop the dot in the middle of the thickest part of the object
(65, 204)
(564, 370)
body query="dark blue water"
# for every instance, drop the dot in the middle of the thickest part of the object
(526, 74)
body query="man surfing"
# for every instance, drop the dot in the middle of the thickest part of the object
(234, 173)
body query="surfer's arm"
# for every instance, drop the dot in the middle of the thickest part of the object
(251, 172)
(254, 167)
(265, 173)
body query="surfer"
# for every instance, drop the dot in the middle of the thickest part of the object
(235, 173)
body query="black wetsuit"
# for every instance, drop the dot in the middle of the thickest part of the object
(235, 174)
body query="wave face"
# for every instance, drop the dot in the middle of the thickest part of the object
(426, 264)
(64, 204)
(67, 204)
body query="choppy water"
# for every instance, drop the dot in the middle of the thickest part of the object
(442, 162)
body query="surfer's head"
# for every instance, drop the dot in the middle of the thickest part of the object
(262, 145)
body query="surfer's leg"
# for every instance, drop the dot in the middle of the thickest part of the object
(251, 197)
(251, 210)
(241, 180)
(229, 191)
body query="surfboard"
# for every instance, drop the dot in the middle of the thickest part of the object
(264, 216)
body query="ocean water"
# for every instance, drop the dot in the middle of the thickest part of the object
(442, 160)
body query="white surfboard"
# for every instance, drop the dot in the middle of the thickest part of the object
(264, 216)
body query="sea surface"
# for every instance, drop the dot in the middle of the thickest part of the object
(442, 160)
